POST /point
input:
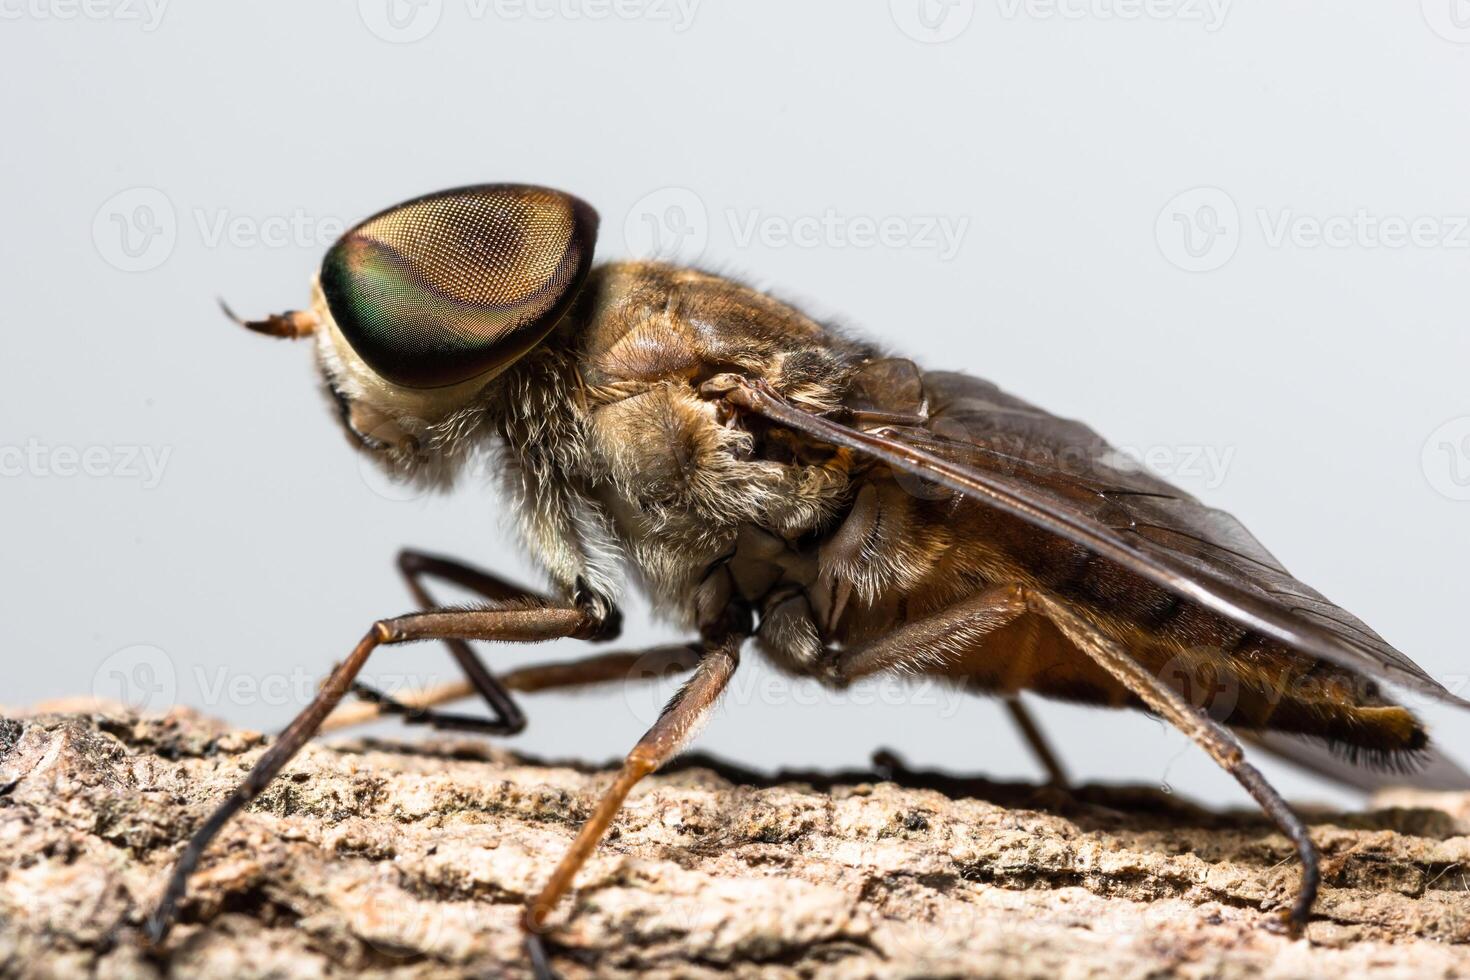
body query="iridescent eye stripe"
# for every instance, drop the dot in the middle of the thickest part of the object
(445, 288)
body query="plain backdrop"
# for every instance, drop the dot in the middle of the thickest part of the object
(1232, 236)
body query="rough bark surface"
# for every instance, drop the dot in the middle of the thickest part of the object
(412, 861)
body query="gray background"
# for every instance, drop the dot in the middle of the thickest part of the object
(154, 160)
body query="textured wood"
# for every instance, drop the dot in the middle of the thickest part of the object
(412, 860)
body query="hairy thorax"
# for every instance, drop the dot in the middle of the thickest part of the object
(657, 480)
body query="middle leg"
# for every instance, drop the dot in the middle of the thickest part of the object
(930, 642)
(680, 720)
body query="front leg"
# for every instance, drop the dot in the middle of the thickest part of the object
(522, 621)
(416, 567)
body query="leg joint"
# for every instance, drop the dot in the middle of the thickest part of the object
(640, 763)
(605, 620)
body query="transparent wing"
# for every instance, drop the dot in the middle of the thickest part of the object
(1062, 477)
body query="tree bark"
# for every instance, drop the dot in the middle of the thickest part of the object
(413, 860)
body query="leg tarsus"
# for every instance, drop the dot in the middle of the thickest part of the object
(1296, 831)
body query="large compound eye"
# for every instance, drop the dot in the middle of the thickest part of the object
(454, 285)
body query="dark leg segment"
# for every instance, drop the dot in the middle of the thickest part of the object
(1208, 734)
(1037, 742)
(415, 566)
(517, 624)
